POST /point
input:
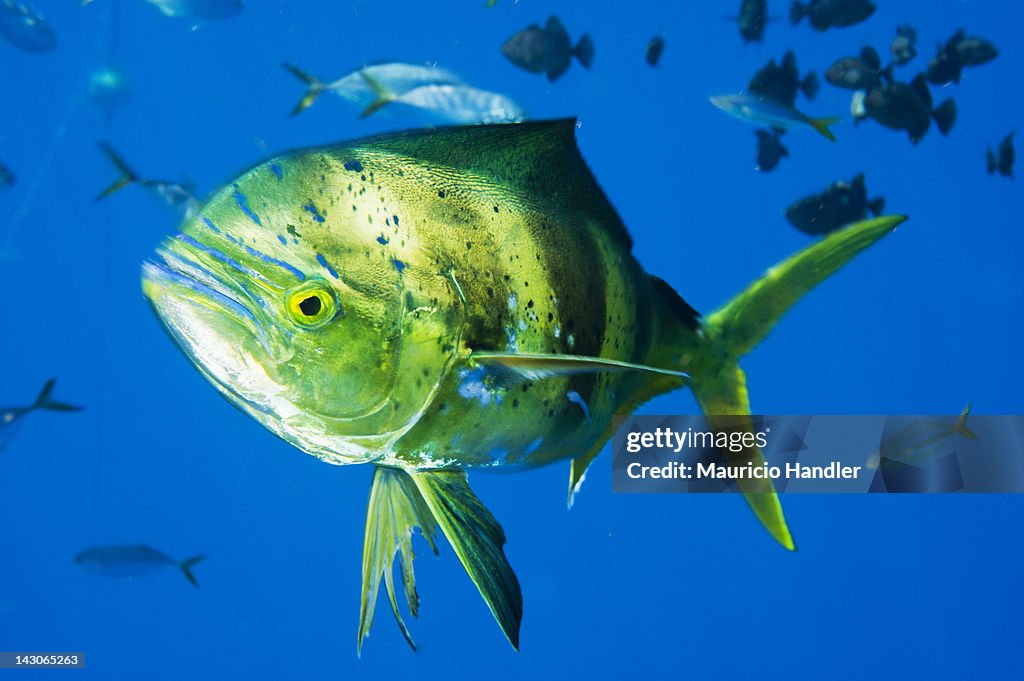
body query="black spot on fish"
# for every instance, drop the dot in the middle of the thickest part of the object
(551, 317)
(529, 303)
(469, 245)
(395, 218)
(354, 166)
(363, 178)
(440, 193)
(399, 265)
(294, 232)
(382, 240)
(490, 292)
(515, 402)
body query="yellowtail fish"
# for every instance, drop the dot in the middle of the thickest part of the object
(923, 439)
(434, 301)
(760, 110)
(132, 560)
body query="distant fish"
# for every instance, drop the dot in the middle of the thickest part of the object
(923, 439)
(840, 204)
(547, 50)
(752, 19)
(903, 45)
(132, 560)
(396, 77)
(198, 9)
(178, 196)
(769, 149)
(108, 89)
(826, 14)
(11, 417)
(902, 106)
(654, 49)
(959, 51)
(781, 83)
(759, 110)
(945, 67)
(451, 103)
(972, 50)
(859, 73)
(25, 28)
(1002, 159)
(7, 178)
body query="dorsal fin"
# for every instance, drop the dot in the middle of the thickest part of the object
(538, 159)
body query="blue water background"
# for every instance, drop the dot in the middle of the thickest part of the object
(620, 586)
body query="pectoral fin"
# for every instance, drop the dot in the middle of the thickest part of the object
(478, 540)
(534, 367)
(395, 509)
(401, 500)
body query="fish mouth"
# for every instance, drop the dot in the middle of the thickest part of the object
(210, 315)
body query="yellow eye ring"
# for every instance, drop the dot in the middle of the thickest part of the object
(311, 304)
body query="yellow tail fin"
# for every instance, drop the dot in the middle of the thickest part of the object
(738, 326)
(821, 125)
(960, 426)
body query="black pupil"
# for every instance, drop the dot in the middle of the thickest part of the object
(310, 306)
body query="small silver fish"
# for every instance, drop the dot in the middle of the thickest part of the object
(451, 103)
(25, 28)
(132, 560)
(395, 77)
(198, 9)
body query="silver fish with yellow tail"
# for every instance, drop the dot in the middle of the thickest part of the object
(435, 301)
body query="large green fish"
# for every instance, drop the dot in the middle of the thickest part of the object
(439, 300)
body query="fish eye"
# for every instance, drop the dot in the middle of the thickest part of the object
(311, 304)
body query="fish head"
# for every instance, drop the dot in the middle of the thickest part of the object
(279, 291)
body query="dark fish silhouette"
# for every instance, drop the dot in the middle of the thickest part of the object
(826, 14)
(547, 50)
(972, 50)
(902, 106)
(903, 45)
(11, 417)
(752, 19)
(25, 28)
(769, 149)
(132, 560)
(179, 196)
(7, 178)
(654, 49)
(859, 73)
(782, 82)
(840, 204)
(959, 51)
(1002, 159)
